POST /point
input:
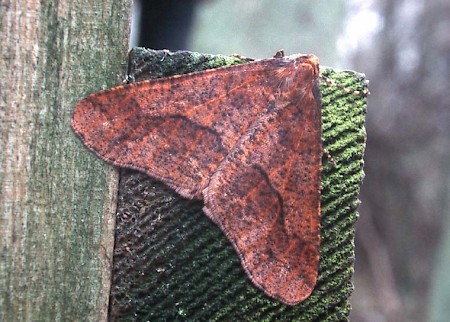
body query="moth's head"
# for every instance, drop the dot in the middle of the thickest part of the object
(297, 75)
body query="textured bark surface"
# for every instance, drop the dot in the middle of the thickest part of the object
(56, 200)
(173, 263)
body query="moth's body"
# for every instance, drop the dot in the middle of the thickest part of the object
(246, 139)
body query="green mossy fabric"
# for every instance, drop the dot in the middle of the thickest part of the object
(172, 263)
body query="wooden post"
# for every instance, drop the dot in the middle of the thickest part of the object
(57, 201)
(171, 262)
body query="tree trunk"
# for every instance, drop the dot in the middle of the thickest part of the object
(57, 202)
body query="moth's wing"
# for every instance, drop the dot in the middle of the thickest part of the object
(177, 129)
(266, 196)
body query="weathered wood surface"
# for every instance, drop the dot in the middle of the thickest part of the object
(56, 200)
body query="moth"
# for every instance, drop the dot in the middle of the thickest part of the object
(245, 139)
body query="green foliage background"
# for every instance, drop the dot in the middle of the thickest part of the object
(258, 29)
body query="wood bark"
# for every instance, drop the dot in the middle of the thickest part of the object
(57, 202)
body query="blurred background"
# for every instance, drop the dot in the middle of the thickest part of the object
(402, 270)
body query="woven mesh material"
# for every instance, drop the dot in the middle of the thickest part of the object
(172, 263)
